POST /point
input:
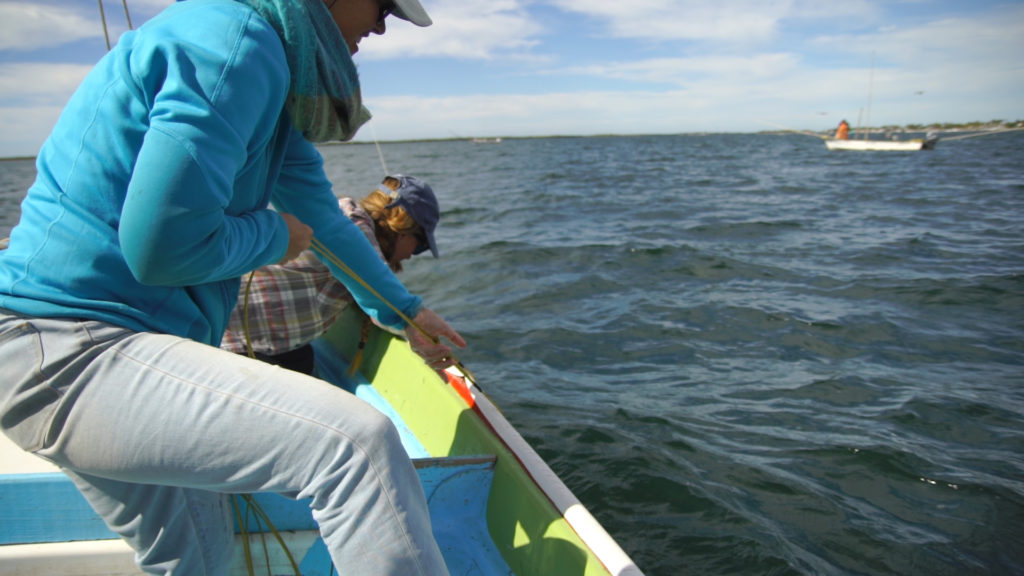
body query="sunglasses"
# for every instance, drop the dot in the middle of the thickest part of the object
(386, 8)
(422, 244)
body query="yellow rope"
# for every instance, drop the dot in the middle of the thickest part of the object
(326, 253)
(261, 517)
(244, 533)
(364, 335)
(245, 317)
(273, 529)
(253, 506)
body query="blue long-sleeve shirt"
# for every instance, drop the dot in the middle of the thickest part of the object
(152, 193)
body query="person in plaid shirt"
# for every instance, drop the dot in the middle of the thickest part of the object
(291, 304)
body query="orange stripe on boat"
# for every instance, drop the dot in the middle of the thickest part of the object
(459, 383)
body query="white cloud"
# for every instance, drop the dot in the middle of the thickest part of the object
(731, 21)
(25, 129)
(998, 34)
(33, 96)
(795, 63)
(688, 71)
(547, 114)
(469, 29)
(45, 84)
(955, 69)
(684, 19)
(975, 58)
(28, 26)
(967, 68)
(800, 100)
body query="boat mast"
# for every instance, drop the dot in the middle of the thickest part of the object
(127, 16)
(871, 85)
(103, 17)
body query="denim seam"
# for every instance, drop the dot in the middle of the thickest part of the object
(377, 475)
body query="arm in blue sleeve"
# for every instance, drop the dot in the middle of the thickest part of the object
(196, 207)
(305, 192)
(174, 230)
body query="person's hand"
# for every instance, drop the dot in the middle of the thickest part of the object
(299, 237)
(437, 355)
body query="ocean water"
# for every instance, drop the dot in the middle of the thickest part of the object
(745, 354)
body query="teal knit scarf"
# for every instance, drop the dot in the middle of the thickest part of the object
(324, 101)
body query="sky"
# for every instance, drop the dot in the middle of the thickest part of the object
(584, 67)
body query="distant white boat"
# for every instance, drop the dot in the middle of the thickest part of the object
(927, 143)
(882, 145)
(486, 140)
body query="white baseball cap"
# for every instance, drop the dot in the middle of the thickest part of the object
(412, 11)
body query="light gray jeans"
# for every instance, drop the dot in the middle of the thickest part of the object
(156, 430)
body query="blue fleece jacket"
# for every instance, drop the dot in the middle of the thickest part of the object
(152, 192)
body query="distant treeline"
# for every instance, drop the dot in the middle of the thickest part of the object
(943, 127)
(949, 126)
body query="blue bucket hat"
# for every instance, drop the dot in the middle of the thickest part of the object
(418, 200)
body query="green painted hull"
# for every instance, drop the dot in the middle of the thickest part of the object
(525, 525)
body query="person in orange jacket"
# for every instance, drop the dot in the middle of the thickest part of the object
(843, 131)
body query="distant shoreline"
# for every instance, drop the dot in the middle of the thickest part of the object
(993, 125)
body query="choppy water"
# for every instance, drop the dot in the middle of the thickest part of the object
(745, 354)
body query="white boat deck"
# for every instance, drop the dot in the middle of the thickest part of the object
(14, 460)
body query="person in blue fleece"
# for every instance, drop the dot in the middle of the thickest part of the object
(152, 198)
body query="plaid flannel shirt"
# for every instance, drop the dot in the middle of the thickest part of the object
(292, 304)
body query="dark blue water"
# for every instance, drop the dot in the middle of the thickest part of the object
(744, 354)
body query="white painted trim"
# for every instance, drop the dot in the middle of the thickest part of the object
(116, 558)
(82, 558)
(607, 550)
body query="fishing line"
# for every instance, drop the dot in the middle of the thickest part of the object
(326, 253)
(248, 286)
(990, 133)
(787, 129)
(245, 317)
(380, 153)
(319, 247)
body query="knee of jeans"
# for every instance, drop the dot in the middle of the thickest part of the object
(375, 443)
(374, 434)
(379, 433)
